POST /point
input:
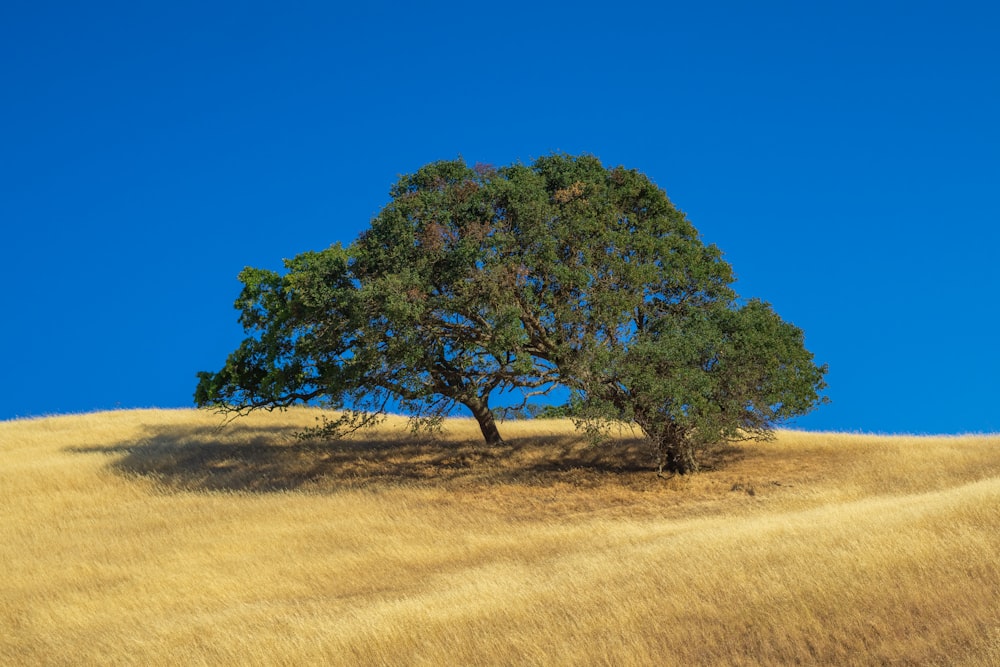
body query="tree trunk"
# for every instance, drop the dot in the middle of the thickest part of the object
(678, 458)
(481, 411)
(672, 450)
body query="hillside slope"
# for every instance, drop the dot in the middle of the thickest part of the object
(154, 537)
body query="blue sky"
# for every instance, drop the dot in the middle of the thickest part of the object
(845, 156)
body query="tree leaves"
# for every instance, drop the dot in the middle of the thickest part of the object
(476, 281)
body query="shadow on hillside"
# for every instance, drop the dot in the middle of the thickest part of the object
(252, 458)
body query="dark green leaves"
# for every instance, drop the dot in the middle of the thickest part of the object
(474, 281)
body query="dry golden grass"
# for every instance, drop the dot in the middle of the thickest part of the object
(151, 537)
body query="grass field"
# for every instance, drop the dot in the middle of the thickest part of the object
(152, 537)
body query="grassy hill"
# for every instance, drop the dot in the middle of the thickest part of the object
(153, 537)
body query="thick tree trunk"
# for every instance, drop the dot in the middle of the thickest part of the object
(678, 458)
(672, 450)
(481, 411)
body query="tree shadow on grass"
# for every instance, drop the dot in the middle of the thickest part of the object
(263, 459)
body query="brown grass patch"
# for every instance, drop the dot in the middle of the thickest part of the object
(153, 537)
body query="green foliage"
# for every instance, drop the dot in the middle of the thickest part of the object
(474, 281)
(411, 313)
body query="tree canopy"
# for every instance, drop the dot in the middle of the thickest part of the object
(474, 281)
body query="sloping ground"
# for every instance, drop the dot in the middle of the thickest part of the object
(154, 537)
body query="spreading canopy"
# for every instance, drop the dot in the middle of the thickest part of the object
(640, 316)
(475, 281)
(411, 313)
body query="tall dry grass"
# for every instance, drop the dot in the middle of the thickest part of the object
(152, 537)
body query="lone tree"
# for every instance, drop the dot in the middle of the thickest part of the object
(474, 281)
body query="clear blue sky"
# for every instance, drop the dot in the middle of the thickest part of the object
(844, 155)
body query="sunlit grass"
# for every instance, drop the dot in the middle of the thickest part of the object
(152, 537)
